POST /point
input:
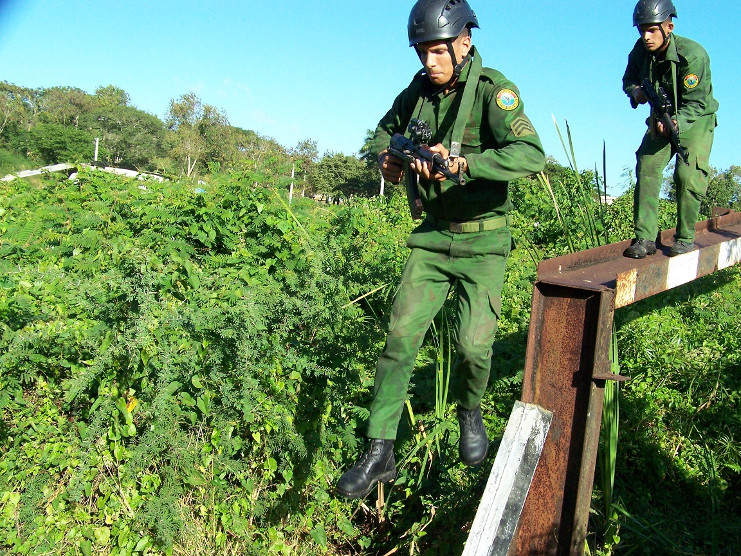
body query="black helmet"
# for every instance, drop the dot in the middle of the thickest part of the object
(436, 20)
(653, 11)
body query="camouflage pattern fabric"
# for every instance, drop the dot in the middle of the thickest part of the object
(426, 281)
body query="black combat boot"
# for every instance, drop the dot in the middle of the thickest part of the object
(680, 248)
(474, 444)
(376, 464)
(640, 248)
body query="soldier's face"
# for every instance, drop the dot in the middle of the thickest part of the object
(437, 61)
(653, 37)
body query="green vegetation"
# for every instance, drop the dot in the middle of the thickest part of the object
(186, 367)
(60, 124)
(187, 373)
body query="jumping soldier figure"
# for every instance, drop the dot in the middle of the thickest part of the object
(682, 68)
(479, 127)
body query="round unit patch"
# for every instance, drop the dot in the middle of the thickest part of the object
(691, 81)
(507, 99)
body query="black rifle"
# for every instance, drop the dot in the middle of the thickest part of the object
(662, 107)
(415, 147)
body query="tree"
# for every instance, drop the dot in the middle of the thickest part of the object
(54, 143)
(261, 153)
(188, 145)
(724, 190)
(65, 105)
(111, 96)
(306, 152)
(366, 150)
(11, 108)
(304, 156)
(20, 105)
(129, 137)
(342, 174)
(201, 134)
(219, 138)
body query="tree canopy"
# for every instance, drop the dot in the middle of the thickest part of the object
(61, 124)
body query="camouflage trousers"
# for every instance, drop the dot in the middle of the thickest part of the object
(691, 179)
(425, 283)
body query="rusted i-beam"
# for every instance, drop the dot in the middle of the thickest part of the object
(567, 364)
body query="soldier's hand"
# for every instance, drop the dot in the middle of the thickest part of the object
(424, 168)
(639, 96)
(391, 167)
(662, 130)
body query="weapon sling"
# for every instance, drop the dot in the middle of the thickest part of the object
(676, 103)
(461, 119)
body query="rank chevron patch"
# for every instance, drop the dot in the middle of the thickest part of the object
(521, 126)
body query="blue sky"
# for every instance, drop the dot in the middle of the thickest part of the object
(328, 70)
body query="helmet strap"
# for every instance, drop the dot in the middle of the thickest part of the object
(660, 52)
(457, 67)
(451, 51)
(663, 34)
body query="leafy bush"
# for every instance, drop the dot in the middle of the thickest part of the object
(680, 418)
(12, 162)
(53, 143)
(187, 371)
(190, 339)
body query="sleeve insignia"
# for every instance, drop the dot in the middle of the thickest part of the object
(507, 99)
(521, 126)
(691, 81)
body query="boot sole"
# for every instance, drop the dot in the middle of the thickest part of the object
(637, 256)
(382, 478)
(477, 462)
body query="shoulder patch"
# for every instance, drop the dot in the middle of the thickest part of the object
(507, 99)
(691, 81)
(521, 126)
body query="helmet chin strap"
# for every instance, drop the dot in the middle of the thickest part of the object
(666, 37)
(457, 67)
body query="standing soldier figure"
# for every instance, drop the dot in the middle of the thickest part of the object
(480, 129)
(682, 68)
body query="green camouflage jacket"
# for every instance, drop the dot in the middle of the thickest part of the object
(694, 93)
(499, 143)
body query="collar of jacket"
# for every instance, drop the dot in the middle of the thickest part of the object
(671, 54)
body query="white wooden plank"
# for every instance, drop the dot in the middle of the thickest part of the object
(509, 481)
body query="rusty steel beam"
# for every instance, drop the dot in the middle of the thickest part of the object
(567, 364)
(719, 246)
(564, 352)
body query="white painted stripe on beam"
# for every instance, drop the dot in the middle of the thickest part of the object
(509, 481)
(625, 289)
(682, 269)
(678, 270)
(501, 481)
(730, 253)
